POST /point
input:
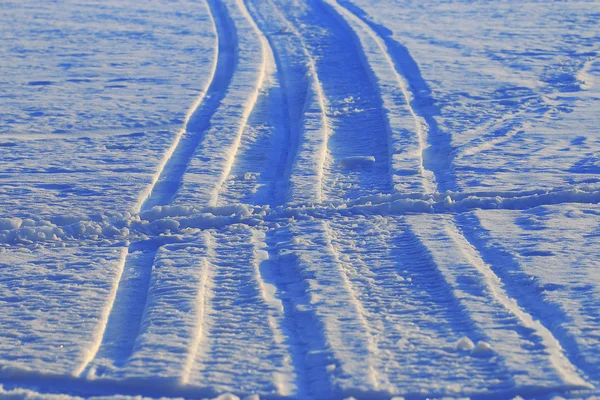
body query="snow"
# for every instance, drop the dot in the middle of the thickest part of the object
(244, 199)
(357, 162)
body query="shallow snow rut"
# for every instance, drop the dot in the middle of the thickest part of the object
(176, 298)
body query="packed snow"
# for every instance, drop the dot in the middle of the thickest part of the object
(317, 199)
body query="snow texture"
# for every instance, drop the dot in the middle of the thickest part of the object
(317, 199)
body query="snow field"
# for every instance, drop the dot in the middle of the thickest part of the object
(334, 216)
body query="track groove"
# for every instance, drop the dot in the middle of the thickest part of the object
(410, 310)
(406, 133)
(212, 161)
(288, 99)
(249, 106)
(306, 170)
(241, 348)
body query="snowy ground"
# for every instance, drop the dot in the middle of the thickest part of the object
(299, 199)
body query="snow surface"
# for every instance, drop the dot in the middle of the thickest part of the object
(299, 199)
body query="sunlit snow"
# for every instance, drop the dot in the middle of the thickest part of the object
(309, 199)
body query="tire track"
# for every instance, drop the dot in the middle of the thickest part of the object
(265, 58)
(407, 135)
(304, 171)
(322, 313)
(241, 349)
(122, 325)
(270, 142)
(170, 176)
(439, 145)
(297, 324)
(100, 332)
(438, 153)
(357, 159)
(174, 316)
(409, 309)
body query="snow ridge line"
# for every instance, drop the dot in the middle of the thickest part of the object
(101, 327)
(248, 108)
(145, 195)
(374, 50)
(314, 133)
(170, 220)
